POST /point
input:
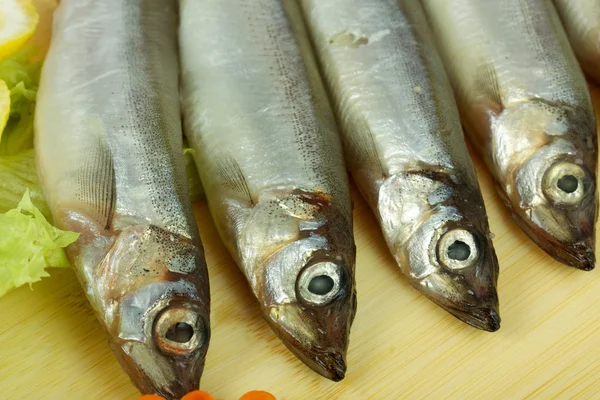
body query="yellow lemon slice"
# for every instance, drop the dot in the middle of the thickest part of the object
(4, 105)
(18, 20)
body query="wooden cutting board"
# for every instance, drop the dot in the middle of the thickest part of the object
(402, 345)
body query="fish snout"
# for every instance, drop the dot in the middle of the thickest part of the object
(473, 301)
(332, 365)
(176, 390)
(561, 218)
(152, 373)
(566, 235)
(162, 349)
(581, 256)
(317, 336)
(486, 318)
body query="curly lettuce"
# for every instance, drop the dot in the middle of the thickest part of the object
(28, 245)
(17, 175)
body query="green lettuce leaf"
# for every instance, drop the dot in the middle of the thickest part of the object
(22, 78)
(17, 175)
(29, 245)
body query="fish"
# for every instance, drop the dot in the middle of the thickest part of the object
(108, 142)
(581, 20)
(526, 107)
(271, 164)
(406, 151)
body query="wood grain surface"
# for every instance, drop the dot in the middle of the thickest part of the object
(402, 345)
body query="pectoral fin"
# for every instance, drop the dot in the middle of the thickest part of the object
(97, 178)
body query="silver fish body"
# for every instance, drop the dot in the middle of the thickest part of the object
(405, 148)
(581, 19)
(271, 164)
(526, 107)
(109, 153)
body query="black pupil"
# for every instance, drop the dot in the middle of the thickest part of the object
(568, 184)
(320, 285)
(181, 332)
(459, 251)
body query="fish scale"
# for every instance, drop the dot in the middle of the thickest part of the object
(109, 152)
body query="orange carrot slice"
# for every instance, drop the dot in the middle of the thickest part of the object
(258, 395)
(198, 395)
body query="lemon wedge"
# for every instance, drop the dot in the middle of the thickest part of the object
(4, 105)
(18, 20)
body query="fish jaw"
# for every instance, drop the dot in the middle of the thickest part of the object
(436, 228)
(472, 304)
(150, 294)
(318, 337)
(578, 227)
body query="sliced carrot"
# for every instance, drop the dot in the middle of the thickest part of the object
(151, 397)
(198, 395)
(258, 395)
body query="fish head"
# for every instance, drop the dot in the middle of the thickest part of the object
(157, 309)
(551, 189)
(436, 228)
(307, 290)
(315, 324)
(556, 206)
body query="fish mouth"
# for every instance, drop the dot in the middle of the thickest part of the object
(321, 348)
(172, 383)
(485, 318)
(578, 255)
(176, 391)
(331, 366)
(170, 390)
(472, 300)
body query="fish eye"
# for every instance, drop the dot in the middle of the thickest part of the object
(457, 249)
(568, 183)
(320, 283)
(563, 183)
(179, 331)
